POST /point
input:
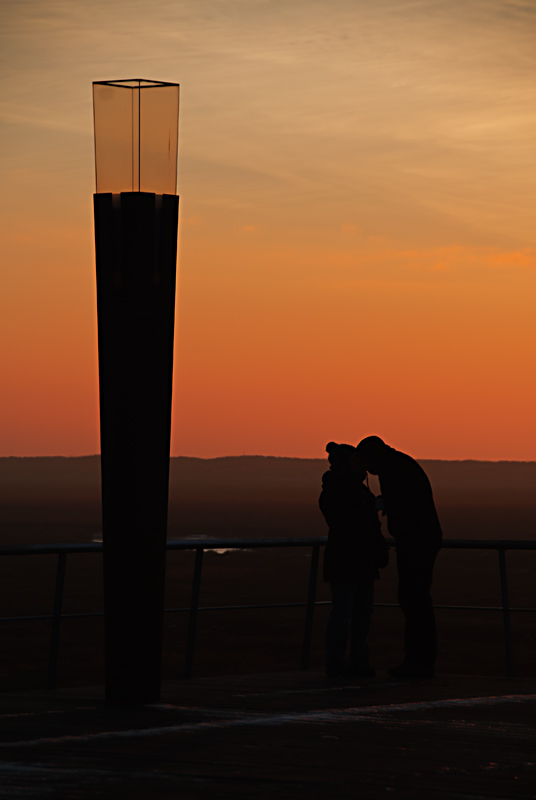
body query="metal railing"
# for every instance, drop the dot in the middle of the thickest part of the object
(63, 550)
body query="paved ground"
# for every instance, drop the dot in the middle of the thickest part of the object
(289, 735)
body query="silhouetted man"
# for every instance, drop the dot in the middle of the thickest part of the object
(414, 525)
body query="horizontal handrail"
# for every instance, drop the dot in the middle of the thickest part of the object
(186, 609)
(240, 544)
(48, 549)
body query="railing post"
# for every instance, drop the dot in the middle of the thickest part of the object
(311, 597)
(192, 620)
(506, 614)
(56, 621)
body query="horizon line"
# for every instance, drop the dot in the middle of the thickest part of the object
(292, 458)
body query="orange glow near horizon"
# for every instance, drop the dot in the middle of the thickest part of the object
(395, 356)
(288, 363)
(356, 252)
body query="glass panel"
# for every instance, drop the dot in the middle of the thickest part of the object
(135, 139)
(159, 110)
(112, 108)
(136, 136)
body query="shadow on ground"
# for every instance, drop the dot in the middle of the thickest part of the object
(285, 735)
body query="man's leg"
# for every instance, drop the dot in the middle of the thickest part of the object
(361, 621)
(343, 595)
(415, 573)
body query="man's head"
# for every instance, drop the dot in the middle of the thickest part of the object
(343, 457)
(371, 453)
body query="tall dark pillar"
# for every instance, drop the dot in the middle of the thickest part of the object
(136, 252)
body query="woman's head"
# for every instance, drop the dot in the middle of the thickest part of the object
(342, 457)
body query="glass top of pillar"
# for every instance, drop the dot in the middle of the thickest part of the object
(136, 136)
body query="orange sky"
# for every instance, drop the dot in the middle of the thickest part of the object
(357, 247)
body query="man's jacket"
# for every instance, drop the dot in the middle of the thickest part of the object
(409, 504)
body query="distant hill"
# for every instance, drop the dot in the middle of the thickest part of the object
(502, 483)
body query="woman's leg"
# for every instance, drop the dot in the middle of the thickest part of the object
(343, 595)
(362, 611)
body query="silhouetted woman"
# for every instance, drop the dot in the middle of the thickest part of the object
(354, 552)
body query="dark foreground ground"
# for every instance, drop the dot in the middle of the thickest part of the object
(286, 735)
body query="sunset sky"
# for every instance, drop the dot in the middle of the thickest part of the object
(357, 248)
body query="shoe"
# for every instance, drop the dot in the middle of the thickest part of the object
(406, 670)
(333, 673)
(347, 670)
(337, 672)
(362, 672)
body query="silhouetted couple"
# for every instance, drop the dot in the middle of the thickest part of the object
(356, 551)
